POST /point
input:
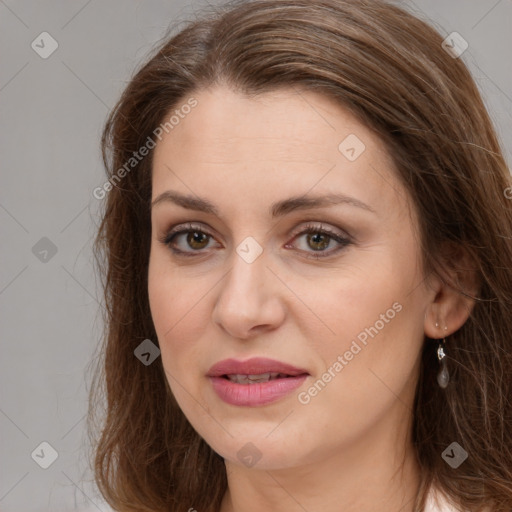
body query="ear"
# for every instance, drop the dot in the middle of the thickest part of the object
(454, 285)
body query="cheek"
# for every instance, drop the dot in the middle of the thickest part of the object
(348, 300)
(178, 313)
(370, 334)
(179, 316)
(361, 324)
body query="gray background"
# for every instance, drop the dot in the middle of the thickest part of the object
(51, 113)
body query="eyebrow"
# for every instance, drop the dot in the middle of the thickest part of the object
(277, 209)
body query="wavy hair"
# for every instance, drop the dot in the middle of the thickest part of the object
(389, 68)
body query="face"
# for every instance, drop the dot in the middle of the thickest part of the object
(239, 270)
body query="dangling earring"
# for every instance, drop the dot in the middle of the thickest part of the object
(443, 376)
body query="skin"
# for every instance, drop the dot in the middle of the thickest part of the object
(350, 445)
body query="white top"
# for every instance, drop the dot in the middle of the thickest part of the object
(436, 502)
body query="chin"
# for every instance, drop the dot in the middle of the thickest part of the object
(255, 449)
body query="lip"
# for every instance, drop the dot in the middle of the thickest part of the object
(258, 393)
(253, 366)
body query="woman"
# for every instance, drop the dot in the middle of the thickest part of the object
(307, 248)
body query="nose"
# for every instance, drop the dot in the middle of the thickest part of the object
(249, 301)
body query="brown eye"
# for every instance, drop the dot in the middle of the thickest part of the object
(190, 240)
(196, 239)
(318, 239)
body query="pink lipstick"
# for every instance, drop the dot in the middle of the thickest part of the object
(257, 381)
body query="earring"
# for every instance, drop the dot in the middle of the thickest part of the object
(443, 376)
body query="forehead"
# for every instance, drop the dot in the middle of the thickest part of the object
(299, 121)
(258, 148)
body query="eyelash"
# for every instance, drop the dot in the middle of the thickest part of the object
(168, 239)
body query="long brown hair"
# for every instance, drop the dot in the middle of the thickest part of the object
(390, 69)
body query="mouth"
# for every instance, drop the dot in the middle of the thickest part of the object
(255, 382)
(256, 378)
(256, 369)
